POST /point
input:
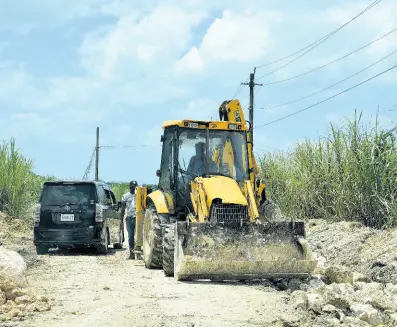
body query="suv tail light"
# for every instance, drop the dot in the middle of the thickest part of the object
(98, 213)
(36, 213)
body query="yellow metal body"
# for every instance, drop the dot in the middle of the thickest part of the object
(227, 251)
(140, 214)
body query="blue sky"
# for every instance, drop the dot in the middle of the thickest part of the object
(126, 66)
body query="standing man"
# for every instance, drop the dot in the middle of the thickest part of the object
(128, 201)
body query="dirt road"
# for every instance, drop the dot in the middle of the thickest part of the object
(92, 290)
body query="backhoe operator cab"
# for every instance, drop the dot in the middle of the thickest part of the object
(191, 151)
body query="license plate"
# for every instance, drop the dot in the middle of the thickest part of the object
(67, 217)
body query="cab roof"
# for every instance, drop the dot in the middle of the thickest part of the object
(201, 124)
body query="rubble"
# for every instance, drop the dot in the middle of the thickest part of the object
(16, 300)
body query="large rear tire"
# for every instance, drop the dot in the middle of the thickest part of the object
(168, 250)
(152, 238)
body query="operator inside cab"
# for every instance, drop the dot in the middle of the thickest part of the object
(197, 162)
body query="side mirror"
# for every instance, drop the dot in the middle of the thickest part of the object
(116, 207)
(158, 173)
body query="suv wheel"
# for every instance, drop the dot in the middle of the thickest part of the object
(103, 247)
(41, 249)
(119, 244)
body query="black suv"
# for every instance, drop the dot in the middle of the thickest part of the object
(77, 213)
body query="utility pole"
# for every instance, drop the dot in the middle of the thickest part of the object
(97, 154)
(252, 85)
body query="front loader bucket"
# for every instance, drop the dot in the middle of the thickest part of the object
(234, 252)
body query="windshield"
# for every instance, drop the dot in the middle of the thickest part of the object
(227, 154)
(57, 195)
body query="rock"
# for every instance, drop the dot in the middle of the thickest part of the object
(7, 285)
(372, 317)
(338, 274)
(359, 308)
(294, 284)
(8, 306)
(43, 299)
(13, 313)
(300, 300)
(355, 322)
(12, 267)
(332, 322)
(377, 295)
(367, 313)
(383, 301)
(316, 302)
(31, 308)
(13, 294)
(282, 285)
(391, 319)
(391, 289)
(315, 284)
(3, 298)
(329, 308)
(338, 295)
(23, 299)
(383, 272)
(358, 277)
(43, 306)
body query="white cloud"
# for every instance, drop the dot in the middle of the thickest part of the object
(159, 36)
(192, 61)
(369, 23)
(234, 37)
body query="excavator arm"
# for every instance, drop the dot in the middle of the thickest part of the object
(231, 110)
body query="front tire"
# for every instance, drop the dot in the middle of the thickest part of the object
(152, 238)
(168, 250)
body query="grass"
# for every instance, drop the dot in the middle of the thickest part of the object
(19, 187)
(349, 174)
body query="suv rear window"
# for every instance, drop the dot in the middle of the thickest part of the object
(60, 194)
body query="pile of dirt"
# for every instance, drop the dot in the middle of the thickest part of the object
(17, 235)
(368, 251)
(18, 302)
(355, 283)
(343, 298)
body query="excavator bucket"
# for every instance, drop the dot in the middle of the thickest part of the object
(235, 252)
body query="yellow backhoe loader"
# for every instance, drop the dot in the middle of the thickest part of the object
(210, 218)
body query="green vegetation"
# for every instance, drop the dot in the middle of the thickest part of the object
(19, 187)
(350, 174)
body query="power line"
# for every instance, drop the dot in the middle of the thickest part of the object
(330, 86)
(332, 62)
(87, 171)
(322, 41)
(331, 97)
